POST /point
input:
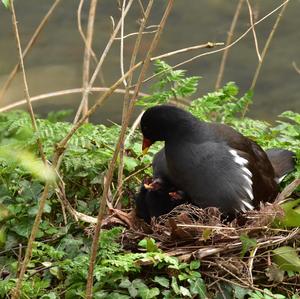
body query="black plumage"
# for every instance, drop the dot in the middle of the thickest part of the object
(160, 200)
(211, 163)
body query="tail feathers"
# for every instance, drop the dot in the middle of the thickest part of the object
(283, 162)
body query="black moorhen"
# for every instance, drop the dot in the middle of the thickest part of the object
(156, 199)
(158, 196)
(214, 165)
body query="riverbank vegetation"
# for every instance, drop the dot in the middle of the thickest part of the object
(67, 222)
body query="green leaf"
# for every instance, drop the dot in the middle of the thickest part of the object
(29, 162)
(287, 259)
(197, 287)
(163, 281)
(292, 214)
(6, 3)
(149, 244)
(3, 235)
(51, 295)
(239, 292)
(56, 271)
(130, 163)
(147, 293)
(185, 292)
(125, 283)
(247, 243)
(194, 264)
(175, 286)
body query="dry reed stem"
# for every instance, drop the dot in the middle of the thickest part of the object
(296, 67)
(265, 50)
(126, 100)
(121, 155)
(228, 41)
(62, 93)
(135, 33)
(80, 30)
(267, 45)
(109, 174)
(101, 60)
(31, 42)
(87, 54)
(118, 90)
(122, 43)
(250, 264)
(230, 45)
(44, 196)
(253, 30)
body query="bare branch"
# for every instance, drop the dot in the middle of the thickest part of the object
(115, 155)
(87, 54)
(100, 63)
(234, 42)
(296, 67)
(28, 47)
(265, 50)
(228, 41)
(61, 93)
(253, 30)
(42, 201)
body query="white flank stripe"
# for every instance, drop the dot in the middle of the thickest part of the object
(248, 205)
(249, 192)
(246, 170)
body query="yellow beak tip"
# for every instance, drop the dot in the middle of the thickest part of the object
(145, 151)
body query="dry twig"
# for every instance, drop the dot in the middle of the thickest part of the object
(44, 196)
(87, 54)
(228, 42)
(253, 30)
(114, 158)
(267, 45)
(28, 47)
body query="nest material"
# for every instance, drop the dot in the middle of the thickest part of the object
(190, 233)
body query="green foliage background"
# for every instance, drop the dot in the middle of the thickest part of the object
(59, 264)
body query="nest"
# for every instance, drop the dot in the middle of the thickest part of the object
(191, 233)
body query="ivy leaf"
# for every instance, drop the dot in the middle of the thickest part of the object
(175, 286)
(287, 259)
(163, 281)
(194, 264)
(292, 214)
(147, 293)
(239, 292)
(185, 292)
(197, 287)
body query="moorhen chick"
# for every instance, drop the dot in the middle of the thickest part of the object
(157, 198)
(214, 165)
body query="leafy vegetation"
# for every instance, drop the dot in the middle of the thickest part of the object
(59, 264)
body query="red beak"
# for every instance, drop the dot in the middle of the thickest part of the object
(146, 144)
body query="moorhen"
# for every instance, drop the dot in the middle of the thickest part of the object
(214, 165)
(157, 198)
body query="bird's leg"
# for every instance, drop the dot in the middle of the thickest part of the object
(176, 195)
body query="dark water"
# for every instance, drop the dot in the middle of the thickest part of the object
(55, 62)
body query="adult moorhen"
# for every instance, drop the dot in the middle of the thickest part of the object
(214, 165)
